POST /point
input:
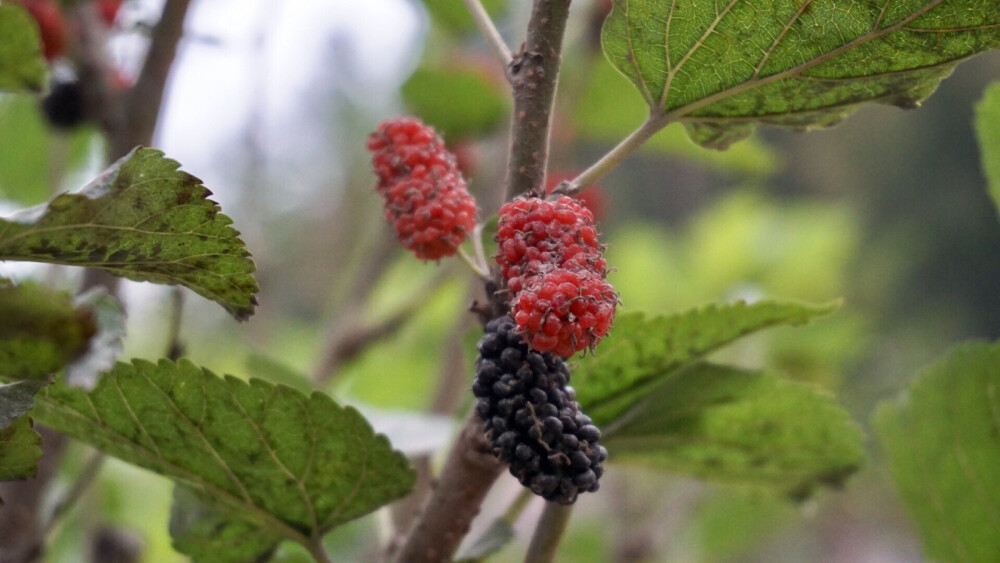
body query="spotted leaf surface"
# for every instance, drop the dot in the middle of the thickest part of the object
(145, 220)
(289, 465)
(723, 66)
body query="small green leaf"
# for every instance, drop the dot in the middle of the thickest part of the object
(988, 133)
(147, 221)
(20, 449)
(206, 531)
(942, 441)
(458, 101)
(726, 66)
(722, 423)
(41, 331)
(640, 353)
(22, 67)
(291, 465)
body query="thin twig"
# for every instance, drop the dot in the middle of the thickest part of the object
(80, 486)
(478, 267)
(142, 104)
(615, 156)
(351, 339)
(489, 31)
(515, 509)
(477, 246)
(318, 550)
(175, 348)
(466, 477)
(548, 533)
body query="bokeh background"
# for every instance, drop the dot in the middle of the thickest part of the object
(269, 102)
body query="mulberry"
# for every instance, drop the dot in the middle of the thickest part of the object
(531, 416)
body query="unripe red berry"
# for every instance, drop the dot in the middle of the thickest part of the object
(51, 25)
(426, 199)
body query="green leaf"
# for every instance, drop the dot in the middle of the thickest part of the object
(458, 101)
(206, 531)
(608, 110)
(640, 353)
(942, 442)
(20, 449)
(724, 67)
(722, 423)
(22, 67)
(454, 17)
(41, 331)
(988, 133)
(288, 465)
(16, 400)
(147, 221)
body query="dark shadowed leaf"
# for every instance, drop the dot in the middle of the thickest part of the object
(41, 330)
(16, 399)
(723, 67)
(147, 221)
(20, 448)
(290, 465)
(208, 532)
(22, 67)
(725, 424)
(942, 441)
(988, 133)
(640, 352)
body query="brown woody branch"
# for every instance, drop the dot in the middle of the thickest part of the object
(533, 74)
(471, 468)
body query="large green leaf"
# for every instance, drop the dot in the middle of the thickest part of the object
(640, 353)
(147, 221)
(284, 464)
(942, 441)
(41, 330)
(459, 101)
(723, 67)
(726, 424)
(21, 64)
(988, 133)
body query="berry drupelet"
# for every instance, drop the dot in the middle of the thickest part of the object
(531, 416)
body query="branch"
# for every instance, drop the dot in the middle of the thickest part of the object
(489, 31)
(467, 476)
(653, 124)
(533, 73)
(548, 532)
(142, 104)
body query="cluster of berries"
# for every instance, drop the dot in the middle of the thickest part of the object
(554, 267)
(531, 416)
(426, 197)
